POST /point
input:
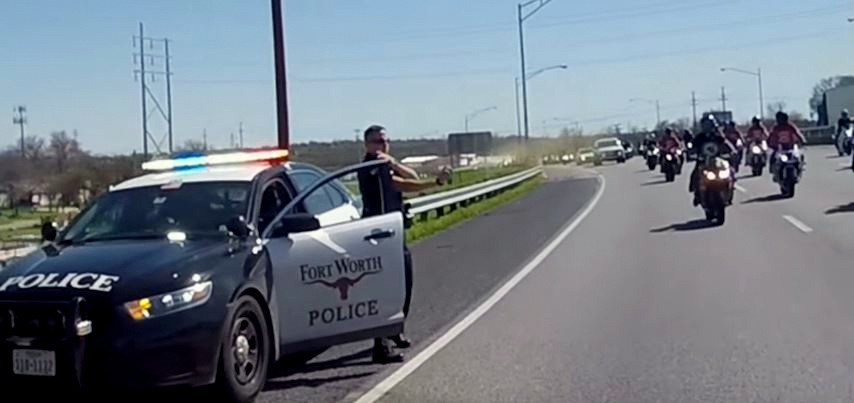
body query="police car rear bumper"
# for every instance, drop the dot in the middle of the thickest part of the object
(177, 349)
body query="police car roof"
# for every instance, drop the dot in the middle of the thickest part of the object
(223, 173)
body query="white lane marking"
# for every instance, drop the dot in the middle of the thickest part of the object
(740, 189)
(411, 365)
(798, 224)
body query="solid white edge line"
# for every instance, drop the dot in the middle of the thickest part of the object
(412, 364)
(740, 189)
(798, 224)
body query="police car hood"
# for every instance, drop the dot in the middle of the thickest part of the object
(117, 270)
(609, 149)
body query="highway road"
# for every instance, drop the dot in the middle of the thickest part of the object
(643, 303)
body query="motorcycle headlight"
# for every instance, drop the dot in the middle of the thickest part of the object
(723, 173)
(171, 302)
(756, 150)
(655, 151)
(678, 152)
(669, 157)
(690, 145)
(710, 175)
(784, 157)
(738, 143)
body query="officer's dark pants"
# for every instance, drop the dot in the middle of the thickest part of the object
(407, 275)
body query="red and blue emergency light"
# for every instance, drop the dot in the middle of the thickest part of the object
(198, 161)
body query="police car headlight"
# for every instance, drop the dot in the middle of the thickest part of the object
(163, 304)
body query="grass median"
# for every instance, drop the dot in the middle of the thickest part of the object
(424, 229)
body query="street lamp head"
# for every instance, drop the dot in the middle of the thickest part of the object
(563, 66)
(723, 68)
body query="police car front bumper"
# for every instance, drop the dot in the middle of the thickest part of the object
(177, 349)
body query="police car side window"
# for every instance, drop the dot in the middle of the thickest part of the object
(273, 199)
(317, 202)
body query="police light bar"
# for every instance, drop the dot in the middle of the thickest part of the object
(215, 159)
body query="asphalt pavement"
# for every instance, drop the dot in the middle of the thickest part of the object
(454, 271)
(643, 302)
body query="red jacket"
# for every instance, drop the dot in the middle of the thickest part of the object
(756, 133)
(785, 136)
(668, 143)
(733, 136)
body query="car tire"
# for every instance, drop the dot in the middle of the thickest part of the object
(245, 353)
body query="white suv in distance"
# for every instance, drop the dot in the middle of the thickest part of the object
(610, 149)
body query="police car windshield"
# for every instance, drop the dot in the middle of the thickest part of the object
(607, 143)
(195, 209)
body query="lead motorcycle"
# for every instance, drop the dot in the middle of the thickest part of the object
(788, 168)
(843, 141)
(758, 157)
(716, 185)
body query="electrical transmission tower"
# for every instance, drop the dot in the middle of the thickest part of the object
(151, 71)
(20, 120)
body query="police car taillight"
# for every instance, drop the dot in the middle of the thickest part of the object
(194, 161)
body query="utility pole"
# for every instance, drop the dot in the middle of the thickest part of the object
(524, 76)
(143, 74)
(205, 138)
(240, 130)
(233, 145)
(358, 146)
(723, 99)
(518, 119)
(21, 120)
(694, 109)
(281, 75)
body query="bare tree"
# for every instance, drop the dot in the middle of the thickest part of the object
(63, 147)
(193, 145)
(34, 148)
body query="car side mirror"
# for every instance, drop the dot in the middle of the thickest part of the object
(238, 227)
(49, 232)
(295, 223)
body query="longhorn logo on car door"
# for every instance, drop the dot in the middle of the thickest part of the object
(339, 275)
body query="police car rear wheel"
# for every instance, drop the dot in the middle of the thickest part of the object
(245, 354)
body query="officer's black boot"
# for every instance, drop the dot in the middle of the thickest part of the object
(384, 354)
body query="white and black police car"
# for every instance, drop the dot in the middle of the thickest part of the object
(204, 271)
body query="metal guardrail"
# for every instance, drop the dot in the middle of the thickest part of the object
(450, 200)
(819, 134)
(423, 200)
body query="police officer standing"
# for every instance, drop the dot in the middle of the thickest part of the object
(382, 192)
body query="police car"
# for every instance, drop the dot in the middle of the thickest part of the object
(203, 271)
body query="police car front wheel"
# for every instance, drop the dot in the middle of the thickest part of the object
(245, 356)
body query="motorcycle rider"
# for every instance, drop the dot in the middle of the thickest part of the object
(757, 132)
(784, 136)
(841, 125)
(709, 133)
(669, 140)
(734, 136)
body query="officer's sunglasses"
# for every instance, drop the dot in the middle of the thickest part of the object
(379, 141)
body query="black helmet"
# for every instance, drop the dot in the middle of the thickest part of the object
(668, 131)
(782, 117)
(845, 113)
(708, 123)
(730, 124)
(756, 120)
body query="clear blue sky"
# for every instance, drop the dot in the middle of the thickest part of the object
(415, 66)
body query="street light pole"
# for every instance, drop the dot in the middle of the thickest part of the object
(474, 114)
(521, 19)
(281, 77)
(518, 119)
(758, 75)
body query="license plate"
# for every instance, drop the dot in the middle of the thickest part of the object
(34, 362)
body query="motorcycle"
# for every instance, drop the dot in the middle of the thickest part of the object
(788, 168)
(652, 153)
(738, 155)
(716, 189)
(844, 140)
(671, 165)
(758, 157)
